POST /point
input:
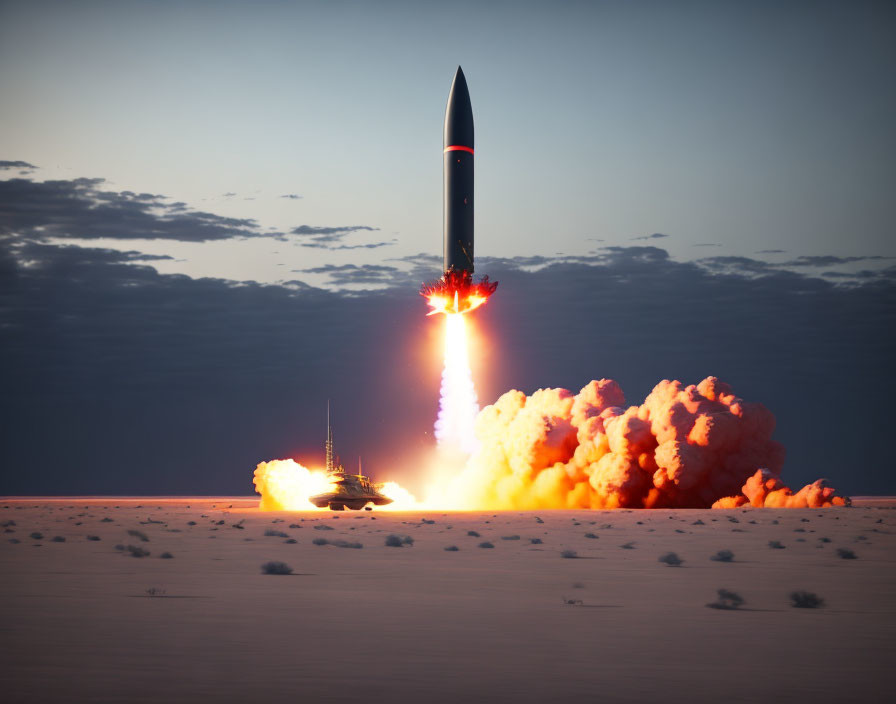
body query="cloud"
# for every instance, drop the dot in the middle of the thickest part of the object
(351, 274)
(654, 236)
(79, 209)
(291, 196)
(771, 251)
(738, 266)
(16, 165)
(707, 244)
(755, 268)
(332, 237)
(829, 260)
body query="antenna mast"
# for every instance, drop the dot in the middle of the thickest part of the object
(331, 465)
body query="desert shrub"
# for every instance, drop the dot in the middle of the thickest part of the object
(191, 523)
(846, 553)
(727, 600)
(538, 520)
(346, 544)
(775, 544)
(291, 541)
(294, 525)
(451, 548)
(572, 602)
(137, 552)
(486, 544)
(628, 546)
(15, 541)
(398, 541)
(119, 547)
(57, 539)
(590, 535)
(569, 554)
(166, 556)
(7, 524)
(106, 520)
(825, 540)
(536, 541)
(473, 534)
(510, 537)
(323, 526)
(806, 600)
(140, 535)
(320, 541)
(37, 536)
(427, 521)
(275, 567)
(698, 522)
(723, 556)
(271, 533)
(671, 559)
(155, 591)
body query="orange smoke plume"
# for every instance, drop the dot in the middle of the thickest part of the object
(684, 447)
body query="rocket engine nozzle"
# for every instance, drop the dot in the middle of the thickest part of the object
(456, 292)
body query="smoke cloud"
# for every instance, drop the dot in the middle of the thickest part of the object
(685, 447)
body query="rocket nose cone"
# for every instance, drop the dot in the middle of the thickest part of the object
(459, 113)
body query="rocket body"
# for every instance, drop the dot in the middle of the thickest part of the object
(456, 292)
(458, 178)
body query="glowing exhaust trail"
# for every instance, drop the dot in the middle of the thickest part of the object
(458, 405)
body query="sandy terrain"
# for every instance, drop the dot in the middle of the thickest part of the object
(418, 623)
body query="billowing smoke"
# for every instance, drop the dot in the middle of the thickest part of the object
(285, 485)
(684, 447)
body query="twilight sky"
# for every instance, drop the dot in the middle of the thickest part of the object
(664, 189)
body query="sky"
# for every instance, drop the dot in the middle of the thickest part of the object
(214, 216)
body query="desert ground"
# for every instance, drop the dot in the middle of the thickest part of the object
(85, 618)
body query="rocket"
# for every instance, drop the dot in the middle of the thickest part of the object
(457, 173)
(456, 292)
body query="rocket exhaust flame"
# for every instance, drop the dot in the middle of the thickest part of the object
(456, 292)
(458, 406)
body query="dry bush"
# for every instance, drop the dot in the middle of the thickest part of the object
(671, 559)
(275, 567)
